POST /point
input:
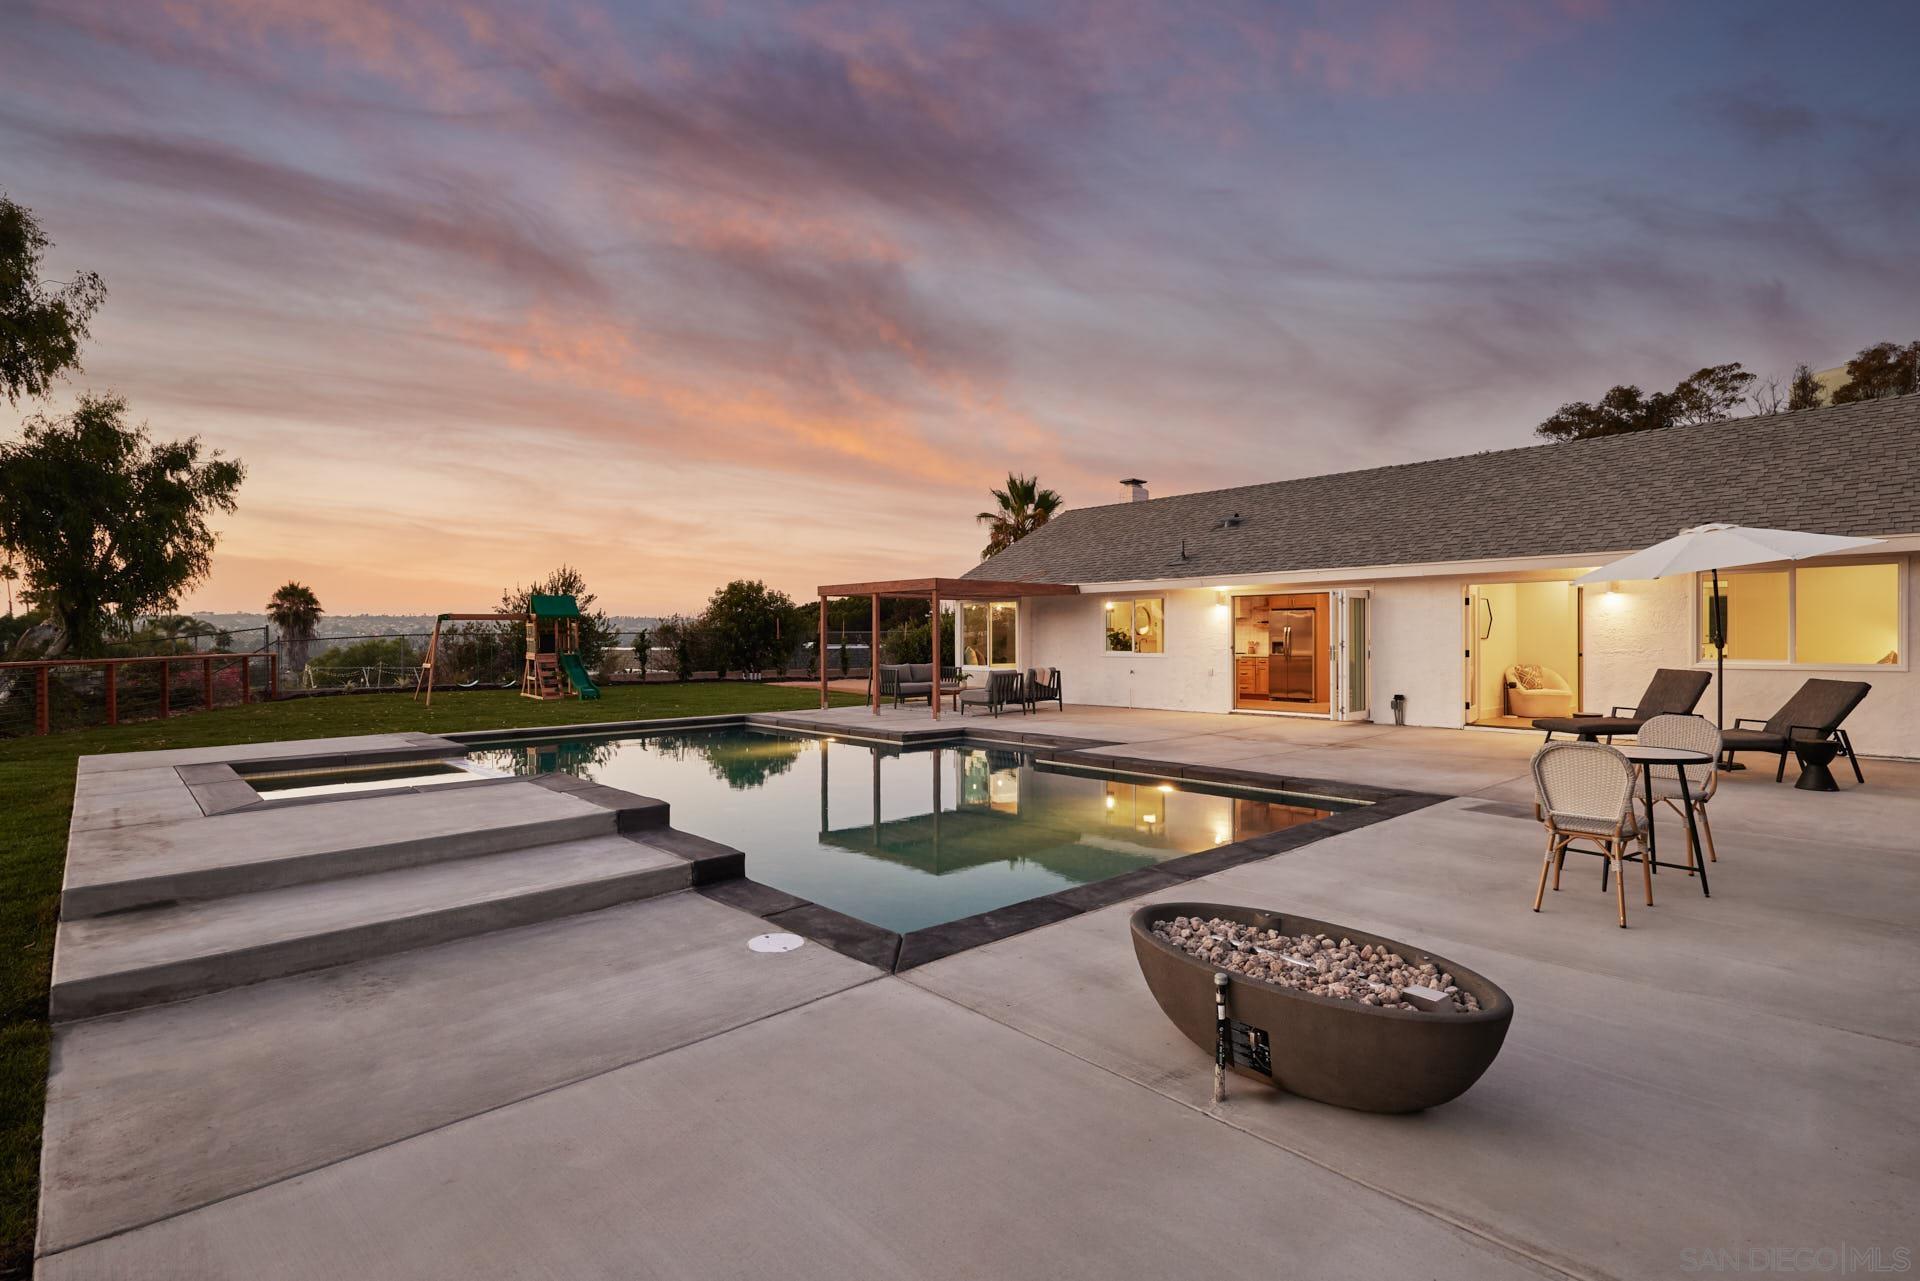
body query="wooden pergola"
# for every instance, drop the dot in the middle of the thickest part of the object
(935, 590)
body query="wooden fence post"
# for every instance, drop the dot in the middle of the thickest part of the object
(246, 678)
(40, 711)
(113, 693)
(206, 683)
(273, 675)
(166, 689)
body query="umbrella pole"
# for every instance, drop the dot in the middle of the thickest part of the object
(1720, 669)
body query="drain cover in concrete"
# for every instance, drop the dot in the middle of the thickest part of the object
(775, 942)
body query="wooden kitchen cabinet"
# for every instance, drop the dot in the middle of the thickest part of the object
(1251, 677)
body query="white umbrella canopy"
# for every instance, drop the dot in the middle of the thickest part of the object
(1709, 547)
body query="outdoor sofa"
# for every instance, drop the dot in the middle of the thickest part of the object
(906, 681)
(1673, 691)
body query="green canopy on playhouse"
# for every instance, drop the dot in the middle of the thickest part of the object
(553, 607)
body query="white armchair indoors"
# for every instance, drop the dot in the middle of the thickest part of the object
(1533, 690)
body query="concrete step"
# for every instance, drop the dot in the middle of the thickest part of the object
(123, 961)
(251, 851)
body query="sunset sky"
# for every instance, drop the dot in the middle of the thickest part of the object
(696, 291)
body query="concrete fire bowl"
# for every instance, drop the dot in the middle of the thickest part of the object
(1320, 1047)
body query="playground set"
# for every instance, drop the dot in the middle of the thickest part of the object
(552, 668)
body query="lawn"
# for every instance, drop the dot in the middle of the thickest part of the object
(36, 782)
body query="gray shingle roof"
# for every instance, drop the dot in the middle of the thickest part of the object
(1845, 469)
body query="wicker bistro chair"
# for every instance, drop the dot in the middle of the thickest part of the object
(1585, 793)
(1043, 684)
(1692, 733)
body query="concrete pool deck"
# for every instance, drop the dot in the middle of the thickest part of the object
(630, 1092)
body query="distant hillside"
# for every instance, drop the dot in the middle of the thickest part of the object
(382, 624)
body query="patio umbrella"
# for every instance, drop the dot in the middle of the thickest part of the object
(1712, 548)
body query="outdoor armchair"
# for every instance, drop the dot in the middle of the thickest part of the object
(1002, 687)
(1043, 684)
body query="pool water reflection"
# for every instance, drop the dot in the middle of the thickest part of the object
(909, 837)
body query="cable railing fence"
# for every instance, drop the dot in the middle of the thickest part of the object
(48, 696)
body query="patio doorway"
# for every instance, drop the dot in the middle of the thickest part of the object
(1280, 652)
(1523, 652)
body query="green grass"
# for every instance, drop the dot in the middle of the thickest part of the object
(36, 783)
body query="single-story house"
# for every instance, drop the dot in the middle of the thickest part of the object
(1445, 586)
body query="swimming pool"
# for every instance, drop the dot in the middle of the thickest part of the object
(909, 837)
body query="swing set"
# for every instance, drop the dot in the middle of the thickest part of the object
(552, 668)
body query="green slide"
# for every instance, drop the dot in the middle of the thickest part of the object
(577, 676)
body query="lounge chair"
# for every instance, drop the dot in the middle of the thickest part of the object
(1673, 691)
(1585, 793)
(1814, 712)
(1043, 683)
(1002, 687)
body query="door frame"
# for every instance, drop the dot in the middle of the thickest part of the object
(1470, 639)
(1332, 619)
(1341, 705)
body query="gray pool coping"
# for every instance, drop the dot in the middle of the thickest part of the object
(221, 787)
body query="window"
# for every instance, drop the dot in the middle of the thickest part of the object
(989, 633)
(1756, 616)
(1814, 615)
(1136, 626)
(1846, 614)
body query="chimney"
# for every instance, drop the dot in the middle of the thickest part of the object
(1133, 490)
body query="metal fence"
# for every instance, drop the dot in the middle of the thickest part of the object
(369, 660)
(52, 695)
(190, 636)
(489, 655)
(48, 696)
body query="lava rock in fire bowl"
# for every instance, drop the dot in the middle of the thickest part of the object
(1385, 1046)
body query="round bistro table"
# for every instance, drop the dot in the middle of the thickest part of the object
(1650, 759)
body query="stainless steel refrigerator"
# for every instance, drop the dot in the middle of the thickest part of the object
(1290, 658)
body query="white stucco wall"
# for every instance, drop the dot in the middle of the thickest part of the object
(1194, 674)
(1418, 650)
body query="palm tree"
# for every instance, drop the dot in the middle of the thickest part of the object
(11, 576)
(1023, 507)
(295, 610)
